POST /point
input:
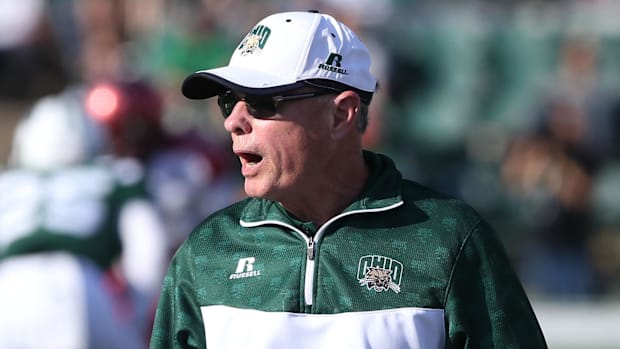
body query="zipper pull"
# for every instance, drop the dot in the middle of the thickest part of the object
(311, 249)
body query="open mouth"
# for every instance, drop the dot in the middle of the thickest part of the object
(250, 158)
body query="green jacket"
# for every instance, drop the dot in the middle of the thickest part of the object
(401, 267)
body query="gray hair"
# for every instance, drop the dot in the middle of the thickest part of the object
(361, 121)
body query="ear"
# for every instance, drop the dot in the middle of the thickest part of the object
(346, 106)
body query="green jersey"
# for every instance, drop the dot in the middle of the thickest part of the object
(73, 209)
(401, 267)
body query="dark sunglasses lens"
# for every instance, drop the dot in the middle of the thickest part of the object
(263, 107)
(259, 107)
(227, 103)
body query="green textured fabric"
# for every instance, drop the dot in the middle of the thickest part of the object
(450, 259)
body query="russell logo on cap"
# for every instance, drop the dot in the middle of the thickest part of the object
(333, 64)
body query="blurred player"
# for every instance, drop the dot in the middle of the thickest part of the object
(185, 173)
(81, 247)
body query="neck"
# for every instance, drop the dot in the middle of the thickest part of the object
(337, 188)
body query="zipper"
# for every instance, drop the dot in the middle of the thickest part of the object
(309, 279)
(310, 253)
(310, 249)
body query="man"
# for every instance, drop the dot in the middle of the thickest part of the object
(332, 249)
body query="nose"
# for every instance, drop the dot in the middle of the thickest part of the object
(239, 121)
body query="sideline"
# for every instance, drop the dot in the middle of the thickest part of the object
(582, 324)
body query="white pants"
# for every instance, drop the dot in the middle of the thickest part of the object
(57, 301)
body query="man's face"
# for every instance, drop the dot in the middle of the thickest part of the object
(283, 156)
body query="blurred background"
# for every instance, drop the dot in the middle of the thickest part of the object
(513, 106)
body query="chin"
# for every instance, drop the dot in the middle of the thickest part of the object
(255, 191)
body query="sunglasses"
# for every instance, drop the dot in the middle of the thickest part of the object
(261, 106)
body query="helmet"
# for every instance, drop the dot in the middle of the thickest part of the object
(131, 114)
(55, 133)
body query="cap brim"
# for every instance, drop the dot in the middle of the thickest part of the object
(209, 83)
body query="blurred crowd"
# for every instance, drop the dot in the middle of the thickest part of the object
(513, 107)
(516, 109)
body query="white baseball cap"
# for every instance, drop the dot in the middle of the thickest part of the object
(288, 50)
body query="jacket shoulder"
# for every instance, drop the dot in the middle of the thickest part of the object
(439, 207)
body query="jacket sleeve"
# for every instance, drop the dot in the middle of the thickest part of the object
(178, 322)
(486, 305)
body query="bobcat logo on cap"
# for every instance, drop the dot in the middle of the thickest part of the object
(380, 273)
(255, 41)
